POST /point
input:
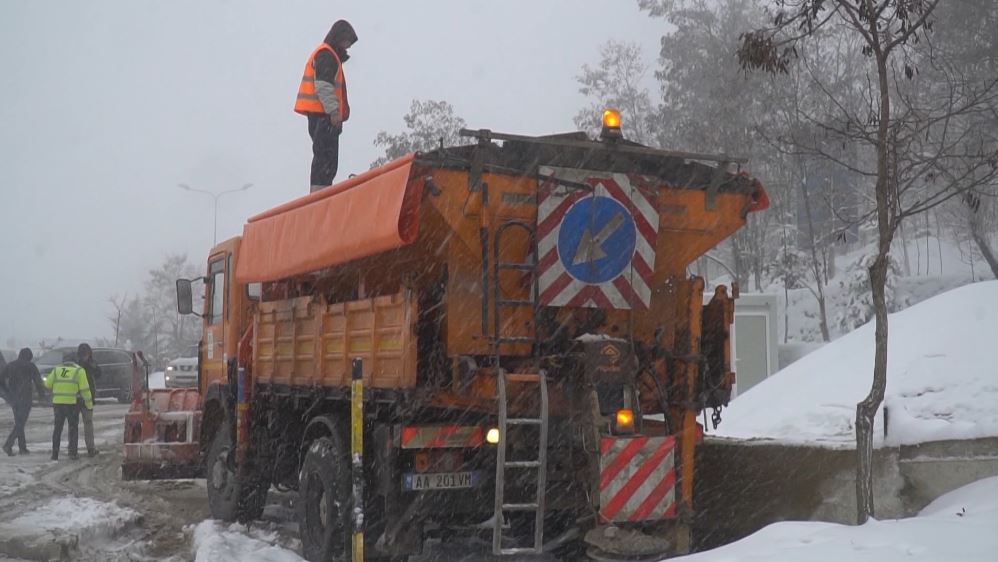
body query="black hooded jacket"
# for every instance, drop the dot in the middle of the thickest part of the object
(19, 377)
(325, 63)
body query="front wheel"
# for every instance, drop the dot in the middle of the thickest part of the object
(228, 498)
(325, 500)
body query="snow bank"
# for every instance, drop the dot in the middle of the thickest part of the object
(218, 542)
(942, 382)
(70, 515)
(959, 525)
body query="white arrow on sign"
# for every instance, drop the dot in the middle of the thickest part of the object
(591, 247)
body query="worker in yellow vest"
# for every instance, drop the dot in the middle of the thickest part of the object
(68, 382)
(322, 97)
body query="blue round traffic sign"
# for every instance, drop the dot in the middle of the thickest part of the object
(597, 239)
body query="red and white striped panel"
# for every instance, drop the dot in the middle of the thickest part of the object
(631, 289)
(637, 478)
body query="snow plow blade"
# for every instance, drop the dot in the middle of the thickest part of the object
(161, 431)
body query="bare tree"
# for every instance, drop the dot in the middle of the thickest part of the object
(977, 231)
(429, 124)
(923, 154)
(118, 304)
(617, 82)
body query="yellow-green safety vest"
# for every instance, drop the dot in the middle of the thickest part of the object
(67, 381)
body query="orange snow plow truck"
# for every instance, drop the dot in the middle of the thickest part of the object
(515, 318)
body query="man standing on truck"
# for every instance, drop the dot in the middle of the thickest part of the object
(68, 382)
(17, 380)
(85, 358)
(322, 97)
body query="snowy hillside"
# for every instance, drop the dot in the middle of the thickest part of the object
(942, 380)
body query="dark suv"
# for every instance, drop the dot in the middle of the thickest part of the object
(115, 380)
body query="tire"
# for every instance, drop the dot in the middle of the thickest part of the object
(325, 501)
(124, 395)
(228, 498)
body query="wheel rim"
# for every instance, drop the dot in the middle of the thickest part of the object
(323, 509)
(318, 511)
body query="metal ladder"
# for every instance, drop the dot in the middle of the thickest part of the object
(539, 464)
(503, 380)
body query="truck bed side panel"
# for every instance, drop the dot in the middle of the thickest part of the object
(306, 342)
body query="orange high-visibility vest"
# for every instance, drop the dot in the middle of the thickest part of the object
(308, 100)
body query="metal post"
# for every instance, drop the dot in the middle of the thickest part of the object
(357, 454)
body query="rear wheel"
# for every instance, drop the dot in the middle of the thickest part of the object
(228, 498)
(125, 395)
(325, 500)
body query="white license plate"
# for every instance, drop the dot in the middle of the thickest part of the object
(413, 481)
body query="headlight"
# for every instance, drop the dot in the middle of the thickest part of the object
(167, 377)
(171, 368)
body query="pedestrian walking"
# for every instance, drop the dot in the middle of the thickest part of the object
(85, 359)
(68, 382)
(19, 380)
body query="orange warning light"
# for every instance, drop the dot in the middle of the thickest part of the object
(611, 118)
(625, 421)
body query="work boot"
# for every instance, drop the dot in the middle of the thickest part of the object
(73, 456)
(7, 449)
(93, 453)
(24, 451)
(55, 456)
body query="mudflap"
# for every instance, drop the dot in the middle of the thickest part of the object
(161, 434)
(638, 507)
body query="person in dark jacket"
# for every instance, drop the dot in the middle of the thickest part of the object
(85, 359)
(18, 379)
(322, 97)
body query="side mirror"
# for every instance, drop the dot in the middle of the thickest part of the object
(185, 297)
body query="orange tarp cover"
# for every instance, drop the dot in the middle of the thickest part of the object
(370, 213)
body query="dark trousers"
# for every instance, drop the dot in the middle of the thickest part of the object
(21, 412)
(325, 149)
(63, 413)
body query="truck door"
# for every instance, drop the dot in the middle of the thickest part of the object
(216, 311)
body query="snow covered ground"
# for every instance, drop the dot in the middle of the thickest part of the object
(941, 381)
(959, 525)
(214, 541)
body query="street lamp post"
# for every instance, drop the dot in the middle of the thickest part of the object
(214, 198)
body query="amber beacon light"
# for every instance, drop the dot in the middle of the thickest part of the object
(611, 124)
(625, 421)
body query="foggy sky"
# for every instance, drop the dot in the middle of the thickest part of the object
(106, 106)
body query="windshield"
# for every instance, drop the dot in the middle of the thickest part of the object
(51, 357)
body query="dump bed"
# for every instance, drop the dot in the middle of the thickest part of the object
(301, 342)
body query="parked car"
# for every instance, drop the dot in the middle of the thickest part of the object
(183, 371)
(115, 380)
